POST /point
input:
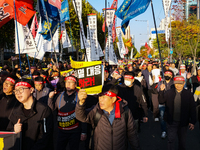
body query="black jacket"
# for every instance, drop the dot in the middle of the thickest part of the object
(37, 128)
(7, 105)
(188, 106)
(135, 98)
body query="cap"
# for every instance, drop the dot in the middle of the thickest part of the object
(179, 79)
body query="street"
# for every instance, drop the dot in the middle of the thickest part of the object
(150, 137)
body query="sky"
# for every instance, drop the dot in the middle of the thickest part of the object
(138, 28)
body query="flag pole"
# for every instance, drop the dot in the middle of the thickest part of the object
(105, 32)
(61, 46)
(17, 37)
(29, 65)
(157, 38)
(80, 30)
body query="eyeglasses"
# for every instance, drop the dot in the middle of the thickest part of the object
(20, 90)
(7, 84)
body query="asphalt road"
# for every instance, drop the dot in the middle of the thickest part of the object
(150, 137)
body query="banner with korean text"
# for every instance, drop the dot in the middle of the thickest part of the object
(89, 75)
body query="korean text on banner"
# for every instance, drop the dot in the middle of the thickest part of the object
(6, 13)
(89, 75)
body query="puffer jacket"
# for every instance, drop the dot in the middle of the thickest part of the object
(107, 136)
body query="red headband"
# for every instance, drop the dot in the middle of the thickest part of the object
(11, 80)
(129, 77)
(149, 64)
(35, 76)
(179, 79)
(106, 71)
(23, 84)
(109, 93)
(38, 82)
(116, 72)
(43, 76)
(168, 72)
(70, 78)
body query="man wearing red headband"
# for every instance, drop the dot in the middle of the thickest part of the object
(70, 130)
(133, 94)
(7, 101)
(42, 93)
(32, 118)
(111, 119)
(169, 84)
(179, 113)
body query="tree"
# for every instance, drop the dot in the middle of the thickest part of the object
(163, 45)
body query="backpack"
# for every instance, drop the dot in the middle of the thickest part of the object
(97, 117)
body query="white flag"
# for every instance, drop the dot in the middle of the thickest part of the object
(166, 29)
(78, 9)
(120, 53)
(48, 47)
(100, 50)
(109, 21)
(25, 39)
(131, 57)
(65, 38)
(92, 23)
(121, 47)
(88, 52)
(166, 5)
(39, 40)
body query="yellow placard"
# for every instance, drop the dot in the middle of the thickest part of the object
(67, 71)
(1, 143)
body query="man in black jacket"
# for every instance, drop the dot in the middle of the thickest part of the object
(32, 118)
(180, 111)
(133, 94)
(7, 101)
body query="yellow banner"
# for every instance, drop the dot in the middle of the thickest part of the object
(1, 144)
(65, 72)
(89, 75)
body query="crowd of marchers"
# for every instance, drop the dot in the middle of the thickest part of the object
(50, 111)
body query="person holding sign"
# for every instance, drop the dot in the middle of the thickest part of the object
(33, 119)
(70, 130)
(111, 120)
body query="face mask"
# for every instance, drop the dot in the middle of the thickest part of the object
(167, 78)
(127, 83)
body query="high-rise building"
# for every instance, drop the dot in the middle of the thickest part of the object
(189, 8)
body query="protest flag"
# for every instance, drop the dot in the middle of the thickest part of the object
(64, 12)
(130, 9)
(56, 3)
(24, 10)
(6, 13)
(34, 26)
(129, 43)
(147, 47)
(50, 19)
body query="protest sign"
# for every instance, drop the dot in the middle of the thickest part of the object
(89, 75)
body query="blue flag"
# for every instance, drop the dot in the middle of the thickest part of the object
(131, 9)
(64, 12)
(53, 17)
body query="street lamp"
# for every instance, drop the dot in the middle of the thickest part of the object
(147, 21)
